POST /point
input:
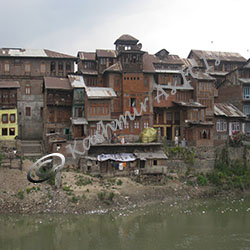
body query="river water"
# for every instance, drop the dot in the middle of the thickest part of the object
(209, 224)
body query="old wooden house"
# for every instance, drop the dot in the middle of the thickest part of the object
(28, 67)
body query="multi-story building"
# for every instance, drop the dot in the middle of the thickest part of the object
(28, 67)
(8, 110)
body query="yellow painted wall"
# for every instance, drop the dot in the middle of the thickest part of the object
(9, 126)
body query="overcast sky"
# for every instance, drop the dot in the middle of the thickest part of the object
(69, 26)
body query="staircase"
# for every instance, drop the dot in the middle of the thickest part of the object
(32, 149)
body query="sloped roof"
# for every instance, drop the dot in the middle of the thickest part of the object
(88, 56)
(18, 52)
(9, 84)
(189, 104)
(245, 80)
(190, 62)
(227, 110)
(126, 38)
(76, 81)
(57, 83)
(100, 93)
(203, 76)
(117, 67)
(106, 53)
(223, 56)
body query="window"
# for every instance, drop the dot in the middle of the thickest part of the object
(12, 118)
(43, 68)
(27, 90)
(145, 124)
(246, 109)
(4, 131)
(27, 111)
(66, 131)
(136, 125)
(68, 66)
(4, 118)
(169, 117)
(7, 67)
(27, 67)
(126, 125)
(246, 92)
(221, 126)
(103, 61)
(60, 66)
(53, 67)
(12, 131)
(235, 126)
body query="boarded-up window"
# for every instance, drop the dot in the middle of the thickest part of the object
(27, 111)
(7, 67)
(27, 67)
(43, 68)
(51, 116)
(4, 131)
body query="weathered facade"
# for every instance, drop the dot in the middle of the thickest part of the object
(28, 67)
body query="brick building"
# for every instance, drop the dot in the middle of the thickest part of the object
(28, 67)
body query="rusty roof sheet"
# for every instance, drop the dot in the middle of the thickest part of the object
(126, 38)
(89, 72)
(18, 52)
(117, 67)
(190, 62)
(223, 56)
(245, 80)
(189, 104)
(9, 84)
(148, 61)
(228, 110)
(203, 76)
(106, 53)
(57, 83)
(76, 81)
(88, 56)
(100, 93)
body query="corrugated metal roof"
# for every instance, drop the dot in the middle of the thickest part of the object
(88, 56)
(98, 92)
(244, 80)
(160, 155)
(186, 86)
(89, 72)
(223, 56)
(9, 84)
(57, 83)
(190, 62)
(79, 121)
(170, 71)
(228, 110)
(218, 73)
(76, 81)
(189, 104)
(106, 53)
(203, 76)
(117, 67)
(18, 52)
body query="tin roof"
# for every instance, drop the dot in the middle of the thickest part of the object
(203, 76)
(100, 93)
(223, 56)
(57, 83)
(126, 38)
(228, 110)
(106, 53)
(79, 121)
(148, 61)
(189, 104)
(18, 52)
(89, 72)
(190, 62)
(244, 80)
(117, 67)
(9, 84)
(76, 81)
(160, 155)
(218, 73)
(88, 56)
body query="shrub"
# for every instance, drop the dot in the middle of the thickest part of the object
(119, 182)
(201, 180)
(20, 194)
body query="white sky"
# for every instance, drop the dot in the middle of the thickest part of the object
(69, 26)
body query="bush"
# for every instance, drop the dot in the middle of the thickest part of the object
(20, 194)
(119, 182)
(201, 180)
